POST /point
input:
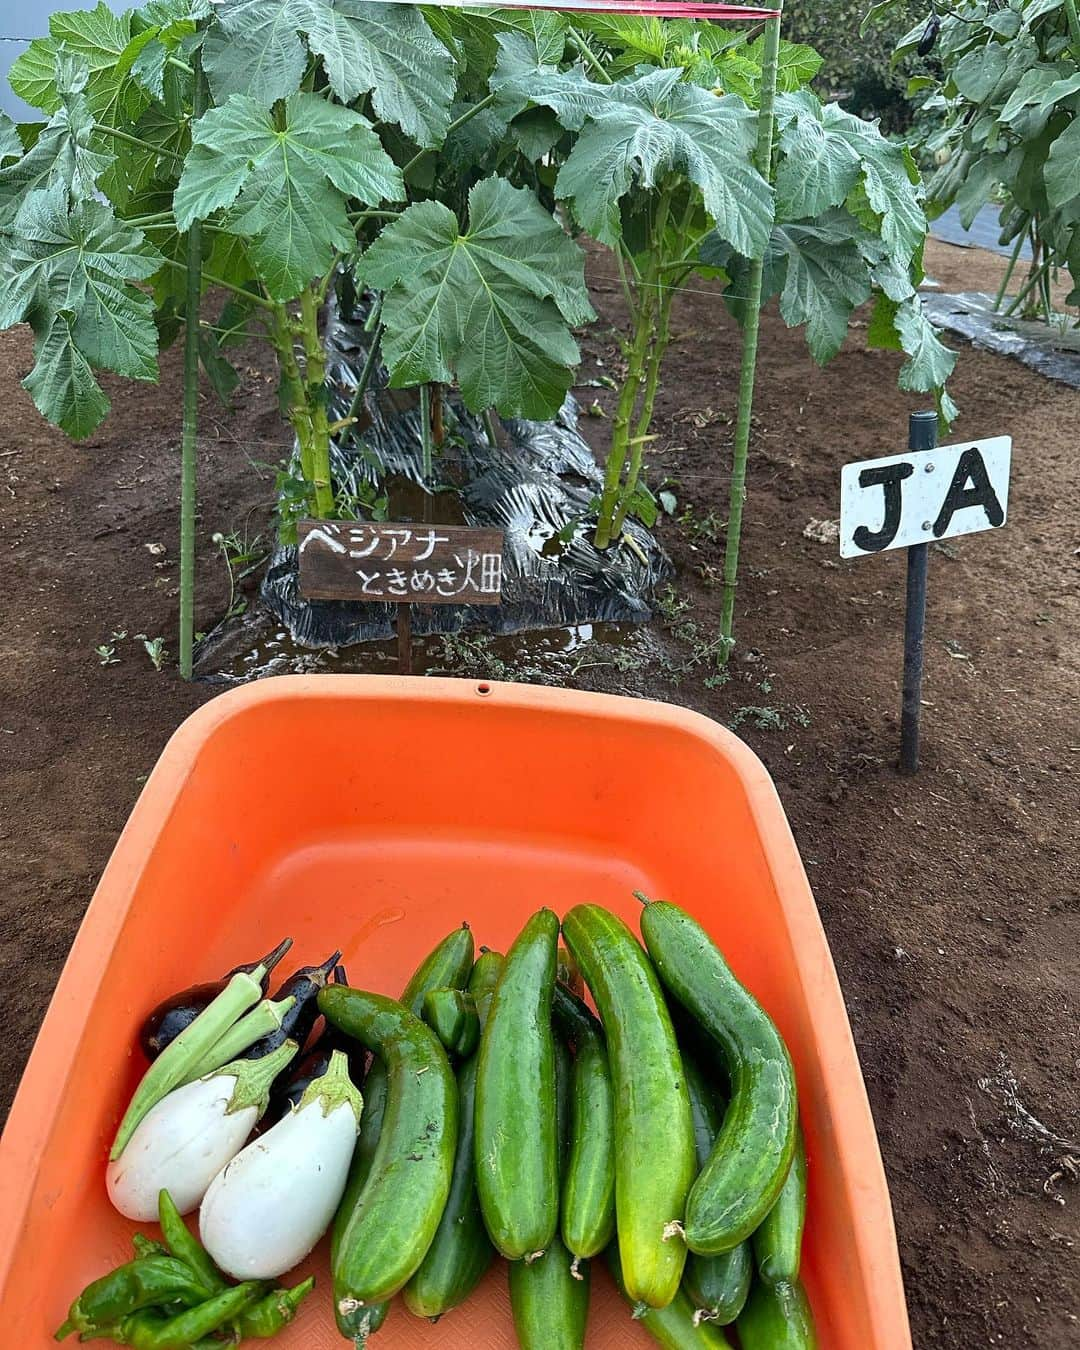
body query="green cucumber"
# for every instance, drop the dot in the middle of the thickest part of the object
(564, 1071)
(778, 1240)
(753, 1151)
(777, 1317)
(389, 1227)
(654, 1138)
(517, 1170)
(588, 1183)
(676, 1326)
(460, 1251)
(549, 1298)
(451, 1014)
(484, 977)
(717, 1285)
(448, 965)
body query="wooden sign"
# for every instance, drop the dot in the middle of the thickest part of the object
(399, 564)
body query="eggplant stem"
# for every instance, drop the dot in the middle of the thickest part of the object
(270, 960)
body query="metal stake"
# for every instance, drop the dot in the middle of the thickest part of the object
(922, 435)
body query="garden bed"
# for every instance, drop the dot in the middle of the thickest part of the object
(950, 901)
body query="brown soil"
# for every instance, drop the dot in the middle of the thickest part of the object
(951, 900)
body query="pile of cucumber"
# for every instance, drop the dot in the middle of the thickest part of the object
(663, 1136)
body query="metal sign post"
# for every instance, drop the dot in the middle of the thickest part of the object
(911, 501)
(922, 435)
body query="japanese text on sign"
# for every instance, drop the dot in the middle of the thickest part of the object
(400, 563)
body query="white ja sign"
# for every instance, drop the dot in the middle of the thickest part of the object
(925, 495)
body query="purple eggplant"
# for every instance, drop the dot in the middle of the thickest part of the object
(174, 1014)
(290, 1087)
(299, 1022)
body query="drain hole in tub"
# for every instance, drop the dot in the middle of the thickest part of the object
(483, 688)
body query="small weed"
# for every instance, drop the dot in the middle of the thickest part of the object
(670, 605)
(472, 656)
(708, 528)
(243, 553)
(760, 717)
(106, 654)
(155, 649)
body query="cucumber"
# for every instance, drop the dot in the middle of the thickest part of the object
(549, 1298)
(451, 1014)
(717, 1285)
(588, 1179)
(753, 1151)
(654, 1138)
(564, 1070)
(675, 1326)
(777, 1317)
(460, 1252)
(778, 1241)
(517, 1172)
(448, 965)
(390, 1225)
(485, 976)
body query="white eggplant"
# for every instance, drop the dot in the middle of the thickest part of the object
(268, 1208)
(184, 1141)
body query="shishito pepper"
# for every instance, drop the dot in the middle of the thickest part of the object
(277, 1309)
(186, 1247)
(151, 1330)
(147, 1282)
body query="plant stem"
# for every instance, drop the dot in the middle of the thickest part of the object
(425, 433)
(763, 160)
(1074, 26)
(315, 394)
(1014, 258)
(637, 354)
(367, 372)
(190, 419)
(211, 280)
(466, 116)
(489, 426)
(591, 59)
(128, 139)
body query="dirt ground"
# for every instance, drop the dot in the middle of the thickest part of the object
(952, 900)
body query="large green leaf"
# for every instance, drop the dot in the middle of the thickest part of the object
(826, 279)
(890, 177)
(1062, 172)
(10, 145)
(259, 49)
(72, 274)
(61, 154)
(490, 303)
(930, 362)
(636, 132)
(99, 39)
(817, 168)
(978, 73)
(285, 187)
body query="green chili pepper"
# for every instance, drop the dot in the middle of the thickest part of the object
(266, 1318)
(186, 1247)
(144, 1283)
(148, 1330)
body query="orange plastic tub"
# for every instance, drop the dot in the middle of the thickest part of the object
(375, 814)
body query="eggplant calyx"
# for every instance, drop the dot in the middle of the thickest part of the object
(334, 1088)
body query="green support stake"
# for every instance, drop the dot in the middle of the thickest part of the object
(763, 160)
(190, 425)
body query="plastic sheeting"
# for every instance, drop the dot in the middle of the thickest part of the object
(1053, 352)
(537, 486)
